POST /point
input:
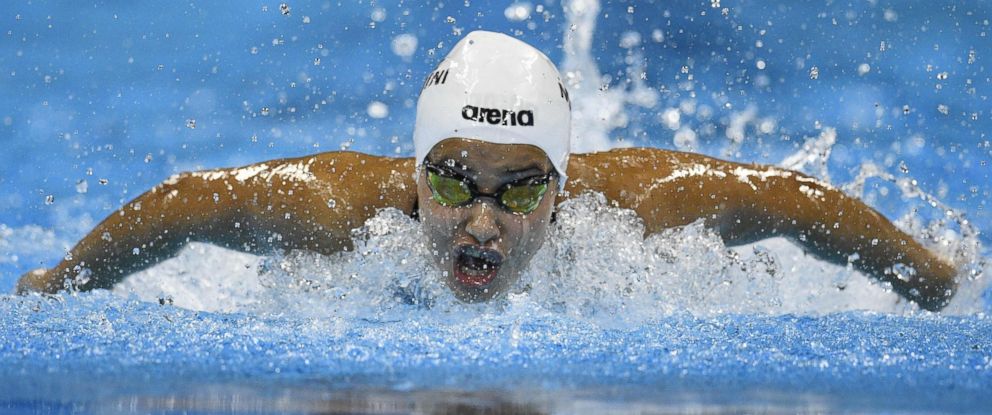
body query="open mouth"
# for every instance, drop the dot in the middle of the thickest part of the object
(476, 266)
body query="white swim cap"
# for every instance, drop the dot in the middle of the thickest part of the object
(494, 88)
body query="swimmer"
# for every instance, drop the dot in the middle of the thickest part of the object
(493, 160)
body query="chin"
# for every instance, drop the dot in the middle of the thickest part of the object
(476, 294)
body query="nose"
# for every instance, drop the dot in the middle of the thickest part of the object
(482, 222)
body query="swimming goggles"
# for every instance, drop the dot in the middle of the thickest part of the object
(453, 189)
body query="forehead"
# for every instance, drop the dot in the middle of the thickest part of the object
(484, 157)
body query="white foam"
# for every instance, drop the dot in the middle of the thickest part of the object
(595, 266)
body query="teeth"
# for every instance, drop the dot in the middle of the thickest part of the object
(473, 271)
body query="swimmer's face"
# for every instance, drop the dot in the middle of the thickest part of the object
(481, 245)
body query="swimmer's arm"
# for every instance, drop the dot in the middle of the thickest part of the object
(281, 204)
(746, 203)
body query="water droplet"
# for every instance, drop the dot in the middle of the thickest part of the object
(518, 11)
(265, 111)
(943, 109)
(284, 9)
(657, 36)
(814, 72)
(191, 123)
(450, 20)
(630, 39)
(863, 69)
(890, 15)
(103, 181)
(942, 76)
(136, 251)
(50, 199)
(715, 4)
(378, 14)
(377, 109)
(106, 236)
(404, 45)
(331, 203)
(82, 186)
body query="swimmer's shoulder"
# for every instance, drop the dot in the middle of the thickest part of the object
(340, 166)
(638, 156)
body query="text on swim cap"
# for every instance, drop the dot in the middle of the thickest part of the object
(496, 116)
(437, 77)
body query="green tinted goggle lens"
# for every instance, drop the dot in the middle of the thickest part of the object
(523, 198)
(515, 197)
(449, 191)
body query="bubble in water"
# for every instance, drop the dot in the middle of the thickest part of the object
(863, 69)
(50, 199)
(404, 45)
(331, 203)
(942, 76)
(264, 111)
(715, 4)
(191, 124)
(943, 109)
(518, 11)
(814, 72)
(377, 109)
(760, 64)
(284, 9)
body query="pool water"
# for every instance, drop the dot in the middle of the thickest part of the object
(886, 100)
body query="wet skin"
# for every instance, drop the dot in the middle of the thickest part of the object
(483, 225)
(313, 202)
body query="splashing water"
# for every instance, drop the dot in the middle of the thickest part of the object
(601, 304)
(596, 267)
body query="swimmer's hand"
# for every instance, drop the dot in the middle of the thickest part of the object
(35, 281)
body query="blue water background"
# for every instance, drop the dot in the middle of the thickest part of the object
(107, 92)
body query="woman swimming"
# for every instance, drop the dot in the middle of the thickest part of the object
(492, 140)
